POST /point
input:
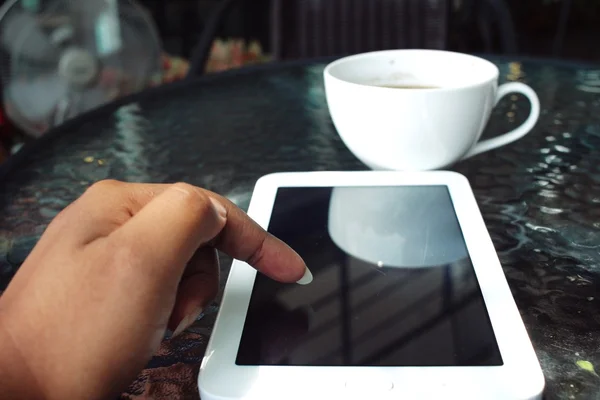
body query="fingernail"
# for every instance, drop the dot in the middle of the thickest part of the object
(186, 322)
(220, 208)
(306, 278)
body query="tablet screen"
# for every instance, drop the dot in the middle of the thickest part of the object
(393, 284)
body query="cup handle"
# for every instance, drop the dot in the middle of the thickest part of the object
(517, 133)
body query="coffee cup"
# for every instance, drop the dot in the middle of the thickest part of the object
(418, 109)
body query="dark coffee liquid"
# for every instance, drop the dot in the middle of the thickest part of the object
(400, 86)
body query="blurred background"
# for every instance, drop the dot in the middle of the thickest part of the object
(59, 60)
(547, 28)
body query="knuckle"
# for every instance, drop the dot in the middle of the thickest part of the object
(195, 201)
(104, 185)
(185, 188)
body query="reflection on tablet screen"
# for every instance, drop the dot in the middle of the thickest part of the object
(393, 284)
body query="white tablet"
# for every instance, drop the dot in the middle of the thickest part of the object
(408, 300)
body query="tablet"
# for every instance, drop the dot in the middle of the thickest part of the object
(408, 298)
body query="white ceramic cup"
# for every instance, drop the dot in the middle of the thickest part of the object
(418, 129)
(398, 227)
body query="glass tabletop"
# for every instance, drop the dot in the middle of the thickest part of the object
(538, 196)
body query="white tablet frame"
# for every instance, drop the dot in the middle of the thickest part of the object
(520, 377)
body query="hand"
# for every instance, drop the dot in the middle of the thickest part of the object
(90, 305)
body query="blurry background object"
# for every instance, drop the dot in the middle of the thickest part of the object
(61, 58)
(315, 28)
(234, 53)
(558, 28)
(544, 28)
(312, 28)
(5, 138)
(486, 25)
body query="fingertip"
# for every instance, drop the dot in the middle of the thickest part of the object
(245, 240)
(282, 263)
(306, 278)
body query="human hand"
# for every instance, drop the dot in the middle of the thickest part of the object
(90, 305)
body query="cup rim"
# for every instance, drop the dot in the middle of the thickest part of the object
(350, 58)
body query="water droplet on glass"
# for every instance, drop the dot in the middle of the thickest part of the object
(548, 194)
(551, 211)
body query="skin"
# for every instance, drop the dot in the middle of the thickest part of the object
(114, 270)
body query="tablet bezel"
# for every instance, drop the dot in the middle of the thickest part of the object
(520, 376)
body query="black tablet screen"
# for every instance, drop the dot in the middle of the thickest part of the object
(393, 284)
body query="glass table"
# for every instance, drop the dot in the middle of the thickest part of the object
(539, 196)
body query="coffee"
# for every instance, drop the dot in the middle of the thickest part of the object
(400, 86)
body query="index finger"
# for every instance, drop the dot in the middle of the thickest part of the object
(241, 237)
